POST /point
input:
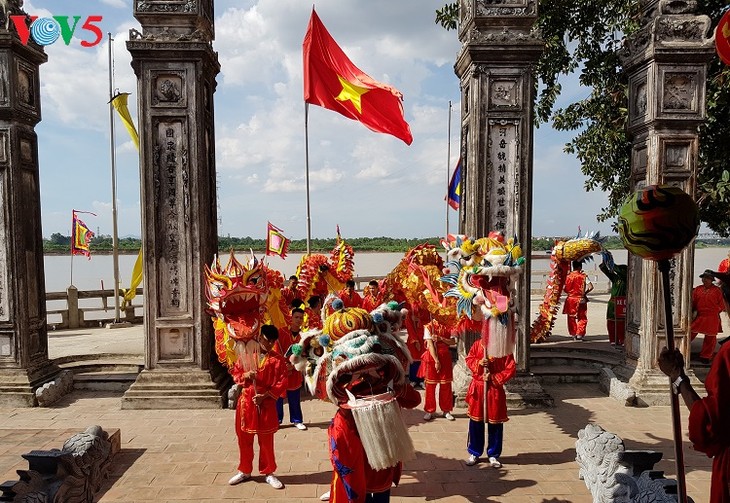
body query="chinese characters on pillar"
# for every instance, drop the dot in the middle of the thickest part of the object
(502, 177)
(170, 200)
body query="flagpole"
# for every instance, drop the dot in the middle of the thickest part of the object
(306, 174)
(72, 253)
(115, 239)
(448, 176)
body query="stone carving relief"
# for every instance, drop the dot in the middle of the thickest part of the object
(73, 474)
(167, 90)
(25, 87)
(165, 35)
(640, 101)
(6, 346)
(476, 36)
(488, 8)
(675, 156)
(174, 343)
(8, 8)
(165, 6)
(677, 6)
(692, 29)
(679, 91)
(616, 475)
(503, 93)
(4, 149)
(26, 151)
(4, 82)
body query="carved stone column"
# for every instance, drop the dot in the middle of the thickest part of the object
(665, 62)
(24, 364)
(498, 52)
(176, 67)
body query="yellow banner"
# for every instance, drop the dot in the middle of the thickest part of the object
(120, 105)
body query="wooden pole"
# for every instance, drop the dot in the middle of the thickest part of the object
(664, 266)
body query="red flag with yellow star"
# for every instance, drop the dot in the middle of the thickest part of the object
(332, 81)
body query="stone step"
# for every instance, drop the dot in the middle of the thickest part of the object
(554, 374)
(105, 380)
(585, 359)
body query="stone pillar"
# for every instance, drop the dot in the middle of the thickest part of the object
(665, 62)
(176, 67)
(24, 364)
(498, 52)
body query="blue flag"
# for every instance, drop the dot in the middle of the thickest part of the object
(454, 195)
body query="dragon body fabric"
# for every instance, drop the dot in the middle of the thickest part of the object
(319, 275)
(563, 253)
(241, 298)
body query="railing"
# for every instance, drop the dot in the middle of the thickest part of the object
(91, 308)
(87, 308)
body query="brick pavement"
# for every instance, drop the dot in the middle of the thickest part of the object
(188, 455)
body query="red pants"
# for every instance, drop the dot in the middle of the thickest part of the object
(446, 398)
(577, 324)
(267, 458)
(616, 331)
(708, 346)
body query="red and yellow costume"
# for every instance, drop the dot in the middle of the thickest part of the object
(370, 301)
(500, 371)
(708, 425)
(575, 305)
(350, 298)
(270, 379)
(312, 319)
(708, 302)
(724, 265)
(438, 334)
(353, 478)
(294, 379)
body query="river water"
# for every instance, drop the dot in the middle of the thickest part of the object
(90, 274)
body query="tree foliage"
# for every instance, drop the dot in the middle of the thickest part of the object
(585, 36)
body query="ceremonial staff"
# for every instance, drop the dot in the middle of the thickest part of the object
(656, 223)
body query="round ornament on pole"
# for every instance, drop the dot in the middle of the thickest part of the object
(656, 223)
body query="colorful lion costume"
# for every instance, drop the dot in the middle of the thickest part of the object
(351, 363)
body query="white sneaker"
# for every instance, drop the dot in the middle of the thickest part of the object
(238, 478)
(273, 481)
(495, 462)
(472, 460)
(325, 496)
(300, 426)
(448, 416)
(428, 416)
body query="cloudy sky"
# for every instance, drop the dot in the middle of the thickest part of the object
(370, 184)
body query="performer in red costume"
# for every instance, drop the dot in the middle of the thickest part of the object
(256, 409)
(373, 296)
(491, 372)
(707, 304)
(288, 337)
(708, 417)
(289, 292)
(312, 314)
(437, 369)
(350, 298)
(577, 287)
(354, 480)
(414, 322)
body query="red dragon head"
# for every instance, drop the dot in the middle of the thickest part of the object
(237, 296)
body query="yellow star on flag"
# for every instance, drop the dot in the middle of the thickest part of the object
(351, 92)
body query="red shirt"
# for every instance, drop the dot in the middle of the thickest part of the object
(283, 343)
(350, 299)
(500, 371)
(270, 378)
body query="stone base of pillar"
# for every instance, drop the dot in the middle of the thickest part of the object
(524, 391)
(178, 389)
(18, 386)
(651, 386)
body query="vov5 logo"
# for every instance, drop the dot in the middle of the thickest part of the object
(46, 30)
